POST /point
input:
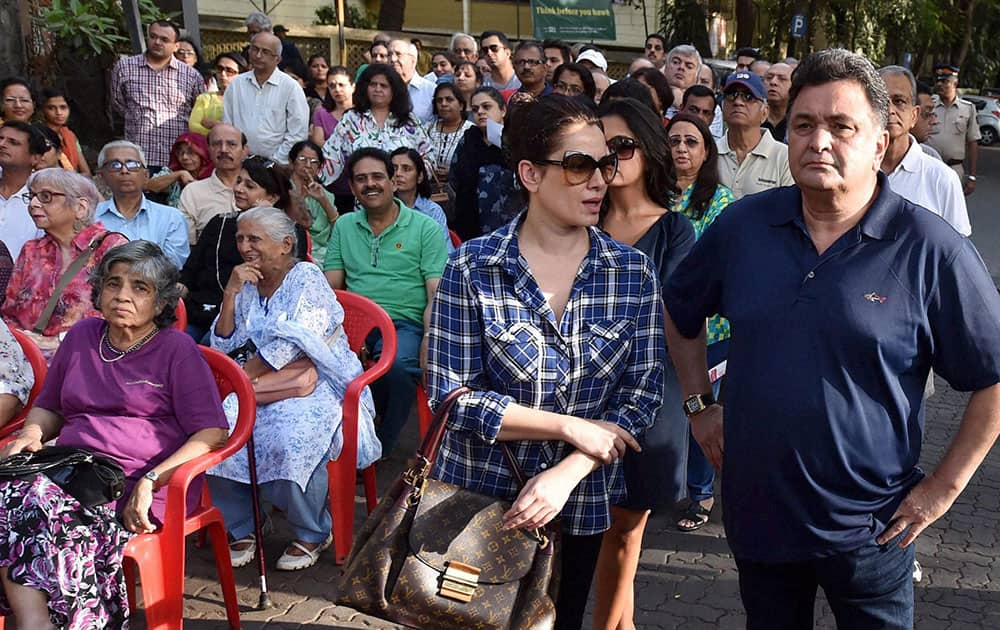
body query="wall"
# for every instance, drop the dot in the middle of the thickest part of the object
(11, 43)
(288, 12)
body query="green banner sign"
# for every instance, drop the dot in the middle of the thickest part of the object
(573, 20)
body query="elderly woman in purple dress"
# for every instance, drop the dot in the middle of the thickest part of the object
(130, 387)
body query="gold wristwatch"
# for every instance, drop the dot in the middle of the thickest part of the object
(696, 403)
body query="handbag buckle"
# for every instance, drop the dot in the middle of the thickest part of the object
(459, 581)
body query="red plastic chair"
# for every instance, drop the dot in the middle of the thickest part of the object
(361, 317)
(159, 557)
(40, 369)
(182, 316)
(456, 240)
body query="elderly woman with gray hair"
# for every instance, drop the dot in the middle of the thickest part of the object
(280, 315)
(48, 290)
(129, 387)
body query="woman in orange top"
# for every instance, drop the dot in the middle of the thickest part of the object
(55, 111)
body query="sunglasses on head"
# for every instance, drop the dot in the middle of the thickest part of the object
(578, 168)
(623, 147)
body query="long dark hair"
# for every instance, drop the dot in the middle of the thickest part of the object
(270, 176)
(655, 79)
(707, 181)
(423, 182)
(646, 126)
(400, 106)
(328, 103)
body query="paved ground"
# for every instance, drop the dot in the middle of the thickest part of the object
(685, 580)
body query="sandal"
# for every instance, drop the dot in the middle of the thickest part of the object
(242, 557)
(697, 514)
(309, 557)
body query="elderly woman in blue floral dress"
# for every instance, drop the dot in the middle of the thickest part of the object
(276, 310)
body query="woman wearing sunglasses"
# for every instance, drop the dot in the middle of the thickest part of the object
(559, 329)
(637, 213)
(699, 195)
(207, 110)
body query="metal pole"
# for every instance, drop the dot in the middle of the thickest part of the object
(517, 17)
(134, 26)
(341, 16)
(192, 26)
(465, 17)
(645, 20)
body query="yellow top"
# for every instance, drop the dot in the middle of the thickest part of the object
(207, 105)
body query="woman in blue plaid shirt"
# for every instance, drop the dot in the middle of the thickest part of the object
(559, 330)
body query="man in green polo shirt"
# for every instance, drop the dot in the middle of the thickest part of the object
(394, 256)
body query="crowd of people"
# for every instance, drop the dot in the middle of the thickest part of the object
(639, 250)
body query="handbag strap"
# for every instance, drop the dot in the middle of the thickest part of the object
(67, 276)
(432, 441)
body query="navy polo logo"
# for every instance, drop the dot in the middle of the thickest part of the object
(875, 297)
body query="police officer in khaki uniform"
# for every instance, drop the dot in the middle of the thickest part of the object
(956, 135)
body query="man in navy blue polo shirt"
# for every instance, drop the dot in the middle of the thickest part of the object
(841, 296)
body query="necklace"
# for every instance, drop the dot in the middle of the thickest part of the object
(447, 143)
(120, 354)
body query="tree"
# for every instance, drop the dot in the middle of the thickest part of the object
(685, 22)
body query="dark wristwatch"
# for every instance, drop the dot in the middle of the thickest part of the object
(696, 403)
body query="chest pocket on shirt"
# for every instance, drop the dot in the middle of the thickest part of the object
(608, 347)
(514, 351)
(961, 121)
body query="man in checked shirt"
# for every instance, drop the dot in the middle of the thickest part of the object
(155, 92)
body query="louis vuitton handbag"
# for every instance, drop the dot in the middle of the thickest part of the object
(433, 555)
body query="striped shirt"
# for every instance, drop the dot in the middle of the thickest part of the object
(156, 104)
(493, 330)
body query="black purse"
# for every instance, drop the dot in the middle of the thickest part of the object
(89, 478)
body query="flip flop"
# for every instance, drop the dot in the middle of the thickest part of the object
(696, 514)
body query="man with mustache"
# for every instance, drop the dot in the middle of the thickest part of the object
(203, 199)
(21, 149)
(842, 296)
(395, 256)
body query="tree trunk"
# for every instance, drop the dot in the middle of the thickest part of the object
(781, 23)
(390, 17)
(745, 23)
(960, 47)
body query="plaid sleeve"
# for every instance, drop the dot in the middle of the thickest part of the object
(454, 356)
(636, 402)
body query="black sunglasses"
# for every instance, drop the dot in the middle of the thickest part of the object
(623, 146)
(578, 168)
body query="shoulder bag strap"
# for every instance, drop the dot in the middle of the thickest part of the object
(67, 276)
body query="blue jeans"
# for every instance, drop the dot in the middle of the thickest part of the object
(394, 393)
(202, 336)
(700, 474)
(307, 512)
(870, 587)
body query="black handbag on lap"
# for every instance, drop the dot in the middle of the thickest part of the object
(89, 478)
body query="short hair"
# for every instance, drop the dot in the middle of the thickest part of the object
(663, 40)
(120, 144)
(647, 127)
(658, 82)
(441, 87)
(686, 50)
(377, 43)
(270, 176)
(423, 180)
(53, 92)
(75, 185)
(544, 122)
(457, 36)
(167, 24)
(147, 260)
(531, 43)
(837, 64)
(904, 72)
(51, 138)
(589, 88)
(365, 153)
(400, 106)
(629, 88)
(9, 81)
(304, 144)
(498, 34)
(493, 93)
(260, 20)
(707, 181)
(562, 46)
(475, 69)
(698, 90)
(36, 141)
(924, 88)
(748, 51)
(410, 46)
(243, 136)
(276, 223)
(235, 57)
(759, 62)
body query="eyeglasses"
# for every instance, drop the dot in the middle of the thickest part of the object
(676, 141)
(494, 48)
(257, 50)
(623, 146)
(569, 88)
(184, 53)
(226, 71)
(17, 100)
(578, 168)
(739, 95)
(44, 196)
(528, 62)
(307, 160)
(130, 165)
(396, 55)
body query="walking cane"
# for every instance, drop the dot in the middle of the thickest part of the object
(265, 599)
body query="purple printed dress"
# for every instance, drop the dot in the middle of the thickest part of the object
(138, 411)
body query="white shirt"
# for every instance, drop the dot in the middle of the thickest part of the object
(274, 116)
(764, 167)
(422, 96)
(717, 128)
(16, 226)
(930, 183)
